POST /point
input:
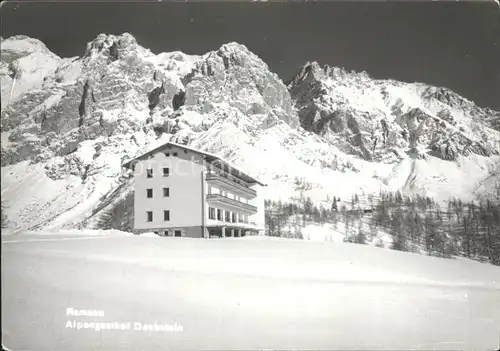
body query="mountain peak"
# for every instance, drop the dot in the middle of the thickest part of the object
(109, 43)
(24, 44)
(313, 71)
(233, 46)
(235, 54)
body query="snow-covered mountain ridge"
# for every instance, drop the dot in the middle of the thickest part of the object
(68, 125)
(377, 119)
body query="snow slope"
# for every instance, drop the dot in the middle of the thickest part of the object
(250, 293)
(282, 258)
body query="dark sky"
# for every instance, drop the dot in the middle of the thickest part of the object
(452, 44)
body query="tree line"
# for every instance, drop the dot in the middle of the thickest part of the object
(413, 223)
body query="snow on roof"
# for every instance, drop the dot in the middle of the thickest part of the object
(210, 158)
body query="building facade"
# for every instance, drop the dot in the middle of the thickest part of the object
(184, 192)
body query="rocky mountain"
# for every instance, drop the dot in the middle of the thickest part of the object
(377, 120)
(69, 123)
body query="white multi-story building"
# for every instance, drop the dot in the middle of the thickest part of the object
(180, 191)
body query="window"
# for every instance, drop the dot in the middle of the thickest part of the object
(185, 151)
(228, 216)
(177, 233)
(149, 173)
(166, 215)
(211, 213)
(149, 193)
(174, 154)
(166, 192)
(166, 172)
(219, 214)
(233, 219)
(149, 215)
(167, 154)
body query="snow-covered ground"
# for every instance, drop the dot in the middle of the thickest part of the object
(245, 293)
(69, 234)
(328, 232)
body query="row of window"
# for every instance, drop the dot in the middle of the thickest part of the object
(149, 172)
(166, 173)
(213, 213)
(177, 233)
(166, 216)
(173, 153)
(166, 170)
(226, 216)
(149, 193)
(166, 193)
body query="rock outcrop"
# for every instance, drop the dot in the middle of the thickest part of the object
(378, 119)
(235, 76)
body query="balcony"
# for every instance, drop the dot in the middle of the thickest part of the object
(232, 202)
(223, 180)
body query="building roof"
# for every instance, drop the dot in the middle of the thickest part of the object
(211, 158)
